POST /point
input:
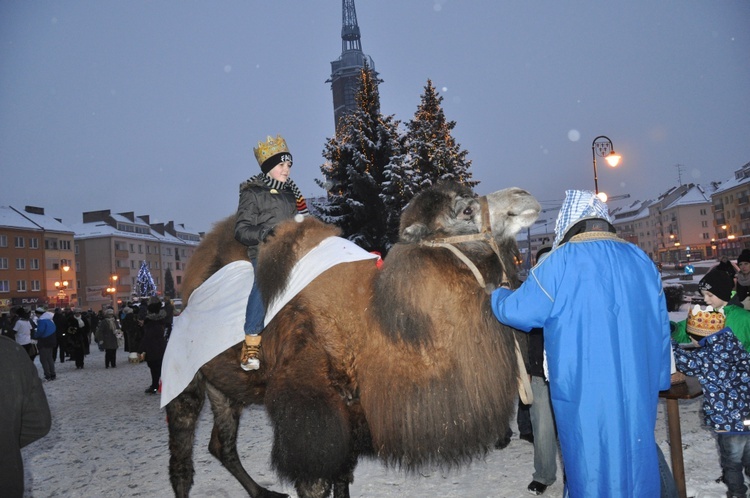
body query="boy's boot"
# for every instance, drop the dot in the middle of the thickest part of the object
(250, 349)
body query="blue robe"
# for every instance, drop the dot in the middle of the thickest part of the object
(606, 335)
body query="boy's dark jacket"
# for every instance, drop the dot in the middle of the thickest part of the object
(722, 365)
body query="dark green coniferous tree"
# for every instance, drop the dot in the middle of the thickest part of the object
(432, 153)
(357, 159)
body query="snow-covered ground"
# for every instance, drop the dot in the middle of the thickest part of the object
(109, 439)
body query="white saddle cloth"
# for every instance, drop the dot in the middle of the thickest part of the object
(214, 318)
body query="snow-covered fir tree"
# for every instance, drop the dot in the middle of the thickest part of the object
(145, 282)
(169, 290)
(357, 158)
(432, 153)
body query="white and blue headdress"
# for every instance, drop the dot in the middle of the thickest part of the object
(578, 204)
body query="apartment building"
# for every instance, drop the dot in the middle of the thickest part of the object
(731, 214)
(112, 247)
(36, 259)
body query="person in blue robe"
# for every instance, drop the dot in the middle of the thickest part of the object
(600, 302)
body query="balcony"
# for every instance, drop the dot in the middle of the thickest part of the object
(718, 207)
(743, 200)
(745, 216)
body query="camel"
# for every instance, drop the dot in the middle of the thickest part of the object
(405, 363)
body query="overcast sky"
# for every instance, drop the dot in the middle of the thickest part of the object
(154, 106)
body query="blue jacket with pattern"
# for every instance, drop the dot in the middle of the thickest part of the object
(722, 365)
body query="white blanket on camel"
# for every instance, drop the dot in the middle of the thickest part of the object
(214, 318)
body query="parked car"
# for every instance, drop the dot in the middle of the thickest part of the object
(177, 303)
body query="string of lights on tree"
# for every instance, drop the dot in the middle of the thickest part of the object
(145, 282)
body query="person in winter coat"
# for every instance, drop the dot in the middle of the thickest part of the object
(105, 336)
(742, 286)
(716, 287)
(22, 328)
(601, 304)
(722, 365)
(153, 343)
(132, 330)
(46, 340)
(24, 417)
(61, 329)
(265, 200)
(78, 333)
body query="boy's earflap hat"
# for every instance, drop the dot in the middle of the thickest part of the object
(719, 283)
(271, 152)
(744, 256)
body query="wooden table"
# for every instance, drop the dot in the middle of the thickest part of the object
(687, 390)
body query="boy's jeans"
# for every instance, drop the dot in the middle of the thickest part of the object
(734, 455)
(255, 312)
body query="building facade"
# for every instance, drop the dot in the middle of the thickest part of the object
(93, 264)
(36, 259)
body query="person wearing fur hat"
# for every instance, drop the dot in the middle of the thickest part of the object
(153, 344)
(716, 287)
(601, 304)
(105, 337)
(266, 200)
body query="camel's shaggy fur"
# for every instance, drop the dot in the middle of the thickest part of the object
(406, 363)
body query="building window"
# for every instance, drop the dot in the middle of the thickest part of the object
(35, 285)
(20, 264)
(140, 249)
(34, 243)
(4, 286)
(3, 263)
(3, 241)
(65, 245)
(19, 242)
(179, 279)
(132, 248)
(21, 286)
(34, 264)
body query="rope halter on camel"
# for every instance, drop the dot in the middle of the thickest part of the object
(484, 235)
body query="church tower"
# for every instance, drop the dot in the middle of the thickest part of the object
(345, 70)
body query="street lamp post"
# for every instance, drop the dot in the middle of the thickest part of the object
(61, 284)
(112, 290)
(602, 147)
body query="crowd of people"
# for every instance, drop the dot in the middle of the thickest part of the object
(67, 334)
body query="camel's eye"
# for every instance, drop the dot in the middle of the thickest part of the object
(468, 211)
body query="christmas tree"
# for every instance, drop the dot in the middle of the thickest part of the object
(145, 282)
(432, 151)
(169, 290)
(357, 158)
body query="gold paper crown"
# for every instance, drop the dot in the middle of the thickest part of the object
(704, 323)
(269, 148)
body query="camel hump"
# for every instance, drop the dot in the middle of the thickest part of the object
(291, 240)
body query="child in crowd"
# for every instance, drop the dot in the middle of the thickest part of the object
(722, 365)
(716, 287)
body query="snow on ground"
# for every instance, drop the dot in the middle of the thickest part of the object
(109, 439)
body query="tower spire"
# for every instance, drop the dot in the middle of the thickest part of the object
(350, 39)
(345, 70)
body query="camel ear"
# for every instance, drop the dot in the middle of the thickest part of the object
(414, 233)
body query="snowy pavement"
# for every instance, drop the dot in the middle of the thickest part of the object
(109, 439)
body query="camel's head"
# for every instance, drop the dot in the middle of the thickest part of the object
(452, 209)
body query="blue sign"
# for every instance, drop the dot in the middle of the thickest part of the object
(689, 269)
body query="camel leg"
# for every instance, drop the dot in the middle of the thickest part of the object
(223, 444)
(182, 415)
